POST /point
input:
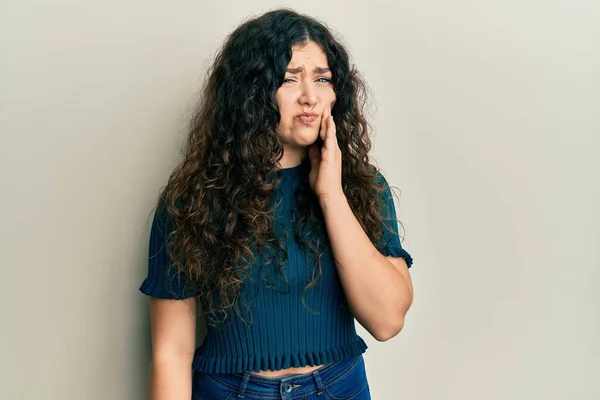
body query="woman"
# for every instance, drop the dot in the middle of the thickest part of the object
(276, 226)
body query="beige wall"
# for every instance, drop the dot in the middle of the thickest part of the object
(485, 121)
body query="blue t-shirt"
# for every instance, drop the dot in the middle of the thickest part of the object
(281, 329)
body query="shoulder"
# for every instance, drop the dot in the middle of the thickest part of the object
(380, 179)
(162, 215)
(382, 186)
(378, 176)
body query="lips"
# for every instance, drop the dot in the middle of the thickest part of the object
(307, 118)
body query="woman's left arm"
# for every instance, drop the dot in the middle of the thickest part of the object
(378, 288)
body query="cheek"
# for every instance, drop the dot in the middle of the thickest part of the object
(284, 121)
(329, 97)
(284, 108)
(284, 112)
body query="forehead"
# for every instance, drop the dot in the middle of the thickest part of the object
(310, 52)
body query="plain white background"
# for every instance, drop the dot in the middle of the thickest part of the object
(486, 120)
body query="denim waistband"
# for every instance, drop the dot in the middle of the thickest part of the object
(283, 386)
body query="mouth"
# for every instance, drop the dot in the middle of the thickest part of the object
(307, 118)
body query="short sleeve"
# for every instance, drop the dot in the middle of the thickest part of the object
(161, 281)
(390, 241)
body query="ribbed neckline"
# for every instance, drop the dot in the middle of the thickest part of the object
(292, 175)
(292, 170)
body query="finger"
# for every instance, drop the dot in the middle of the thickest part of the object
(314, 155)
(323, 130)
(331, 131)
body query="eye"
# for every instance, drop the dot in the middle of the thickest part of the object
(321, 80)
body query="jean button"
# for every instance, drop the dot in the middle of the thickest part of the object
(287, 387)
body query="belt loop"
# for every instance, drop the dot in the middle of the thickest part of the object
(243, 385)
(318, 382)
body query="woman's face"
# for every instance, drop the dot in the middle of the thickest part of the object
(307, 88)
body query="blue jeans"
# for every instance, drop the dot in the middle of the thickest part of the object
(345, 379)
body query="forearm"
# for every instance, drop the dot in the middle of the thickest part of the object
(170, 379)
(377, 292)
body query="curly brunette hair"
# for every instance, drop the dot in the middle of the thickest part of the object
(220, 198)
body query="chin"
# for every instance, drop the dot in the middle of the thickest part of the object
(305, 138)
(302, 137)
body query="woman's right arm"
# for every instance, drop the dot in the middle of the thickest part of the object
(173, 344)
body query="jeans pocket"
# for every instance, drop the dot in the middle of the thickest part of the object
(197, 397)
(230, 397)
(206, 388)
(351, 385)
(355, 392)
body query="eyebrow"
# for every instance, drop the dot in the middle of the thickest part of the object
(317, 70)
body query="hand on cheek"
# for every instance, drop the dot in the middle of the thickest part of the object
(326, 162)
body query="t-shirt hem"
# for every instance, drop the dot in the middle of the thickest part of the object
(255, 363)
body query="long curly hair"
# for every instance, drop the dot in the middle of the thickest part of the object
(220, 198)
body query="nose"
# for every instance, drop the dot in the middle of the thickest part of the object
(308, 97)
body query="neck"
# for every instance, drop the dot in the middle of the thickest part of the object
(292, 157)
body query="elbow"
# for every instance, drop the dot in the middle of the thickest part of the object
(391, 325)
(386, 333)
